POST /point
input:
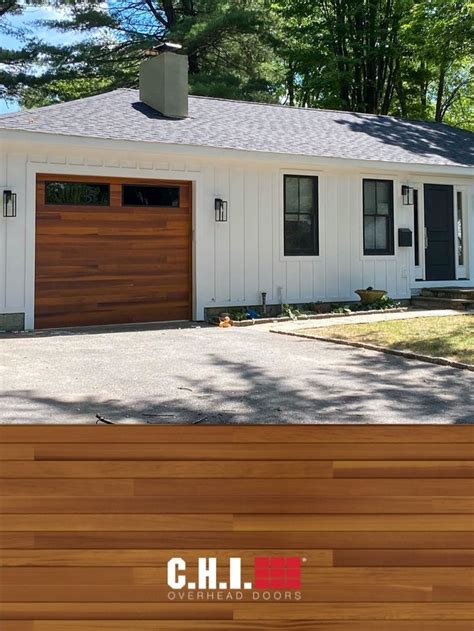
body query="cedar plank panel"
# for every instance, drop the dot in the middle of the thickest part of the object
(231, 469)
(324, 505)
(262, 540)
(234, 625)
(227, 493)
(316, 591)
(383, 515)
(111, 264)
(247, 452)
(182, 522)
(170, 468)
(412, 435)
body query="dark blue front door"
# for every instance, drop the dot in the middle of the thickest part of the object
(439, 229)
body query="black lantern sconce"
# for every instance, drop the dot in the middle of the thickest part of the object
(220, 208)
(407, 193)
(9, 204)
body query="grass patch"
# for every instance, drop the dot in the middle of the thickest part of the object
(451, 337)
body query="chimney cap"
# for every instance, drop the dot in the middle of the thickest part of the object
(165, 47)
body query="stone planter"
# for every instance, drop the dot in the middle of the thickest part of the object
(369, 296)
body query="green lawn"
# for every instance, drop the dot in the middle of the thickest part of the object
(449, 336)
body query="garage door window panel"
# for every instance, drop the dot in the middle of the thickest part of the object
(77, 194)
(146, 195)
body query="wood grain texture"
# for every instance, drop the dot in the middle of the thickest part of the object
(112, 264)
(383, 516)
(413, 437)
(232, 625)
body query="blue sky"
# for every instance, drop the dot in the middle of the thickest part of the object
(32, 14)
(27, 20)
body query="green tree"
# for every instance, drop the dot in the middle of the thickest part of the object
(412, 58)
(439, 39)
(10, 7)
(228, 43)
(343, 53)
(12, 61)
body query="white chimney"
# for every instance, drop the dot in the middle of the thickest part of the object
(164, 81)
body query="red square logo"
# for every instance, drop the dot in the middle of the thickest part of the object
(277, 573)
(293, 562)
(262, 562)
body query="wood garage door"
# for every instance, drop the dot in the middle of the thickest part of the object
(112, 251)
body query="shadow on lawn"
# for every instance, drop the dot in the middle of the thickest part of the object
(437, 347)
(370, 387)
(454, 341)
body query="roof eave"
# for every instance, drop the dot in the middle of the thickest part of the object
(209, 152)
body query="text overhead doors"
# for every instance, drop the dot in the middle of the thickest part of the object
(112, 251)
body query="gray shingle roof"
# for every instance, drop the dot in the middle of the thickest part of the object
(254, 127)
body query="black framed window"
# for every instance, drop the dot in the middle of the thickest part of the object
(378, 217)
(77, 193)
(301, 215)
(150, 195)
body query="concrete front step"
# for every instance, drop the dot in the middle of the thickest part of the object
(461, 293)
(435, 302)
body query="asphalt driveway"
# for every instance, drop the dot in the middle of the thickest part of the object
(211, 375)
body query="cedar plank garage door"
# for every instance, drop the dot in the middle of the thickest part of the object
(111, 263)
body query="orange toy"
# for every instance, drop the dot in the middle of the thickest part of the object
(225, 322)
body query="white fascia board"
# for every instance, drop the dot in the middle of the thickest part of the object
(207, 152)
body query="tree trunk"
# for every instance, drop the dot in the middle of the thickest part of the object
(440, 94)
(340, 49)
(290, 84)
(389, 87)
(193, 63)
(400, 91)
(168, 8)
(372, 55)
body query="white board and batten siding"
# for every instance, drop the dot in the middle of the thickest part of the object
(234, 262)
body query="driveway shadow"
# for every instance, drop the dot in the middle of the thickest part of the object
(367, 388)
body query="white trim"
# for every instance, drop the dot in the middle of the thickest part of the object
(32, 170)
(420, 284)
(420, 273)
(419, 280)
(419, 270)
(203, 152)
(462, 271)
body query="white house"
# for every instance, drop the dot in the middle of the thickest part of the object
(140, 206)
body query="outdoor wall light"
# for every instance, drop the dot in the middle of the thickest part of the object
(220, 208)
(9, 204)
(407, 193)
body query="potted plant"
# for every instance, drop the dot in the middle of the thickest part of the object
(370, 295)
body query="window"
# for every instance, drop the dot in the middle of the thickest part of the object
(301, 215)
(378, 217)
(460, 229)
(146, 195)
(77, 193)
